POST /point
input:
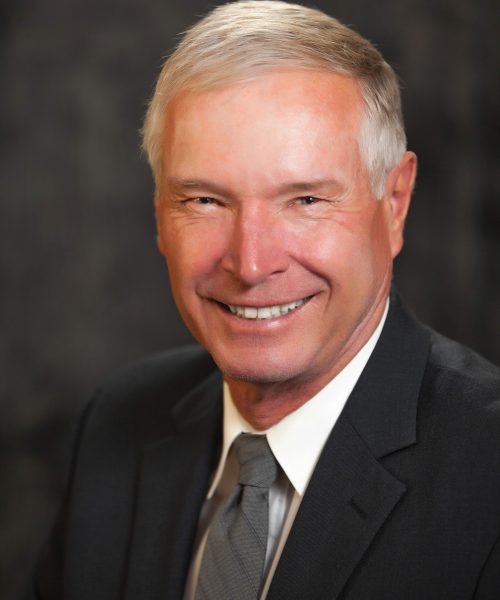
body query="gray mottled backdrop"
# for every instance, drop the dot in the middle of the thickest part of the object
(83, 289)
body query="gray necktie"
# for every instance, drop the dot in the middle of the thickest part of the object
(233, 562)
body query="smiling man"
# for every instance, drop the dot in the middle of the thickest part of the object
(320, 443)
(279, 252)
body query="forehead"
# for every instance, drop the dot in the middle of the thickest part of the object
(277, 122)
(317, 91)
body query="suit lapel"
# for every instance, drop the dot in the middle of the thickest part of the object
(351, 494)
(173, 481)
(346, 502)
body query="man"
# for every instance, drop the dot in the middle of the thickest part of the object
(282, 186)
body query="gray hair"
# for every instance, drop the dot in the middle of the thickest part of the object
(244, 39)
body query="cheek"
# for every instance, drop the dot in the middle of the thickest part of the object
(191, 252)
(353, 250)
(328, 247)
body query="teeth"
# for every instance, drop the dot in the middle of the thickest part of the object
(250, 312)
(275, 311)
(265, 312)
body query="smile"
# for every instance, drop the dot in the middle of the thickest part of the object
(266, 312)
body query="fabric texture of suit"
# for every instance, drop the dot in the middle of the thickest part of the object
(404, 502)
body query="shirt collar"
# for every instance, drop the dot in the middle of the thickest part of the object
(298, 439)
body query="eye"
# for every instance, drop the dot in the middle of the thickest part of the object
(308, 200)
(204, 200)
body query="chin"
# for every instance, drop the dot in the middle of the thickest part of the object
(263, 372)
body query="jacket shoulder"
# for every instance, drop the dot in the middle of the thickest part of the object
(137, 400)
(460, 367)
(179, 369)
(463, 388)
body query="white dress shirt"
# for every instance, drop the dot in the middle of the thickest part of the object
(297, 442)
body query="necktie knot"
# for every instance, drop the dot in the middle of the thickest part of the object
(258, 467)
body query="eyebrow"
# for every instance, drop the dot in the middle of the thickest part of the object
(195, 184)
(312, 186)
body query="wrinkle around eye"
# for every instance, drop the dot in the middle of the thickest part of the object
(314, 208)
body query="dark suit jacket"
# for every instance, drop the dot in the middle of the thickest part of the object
(404, 502)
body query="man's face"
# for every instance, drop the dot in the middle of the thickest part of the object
(265, 210)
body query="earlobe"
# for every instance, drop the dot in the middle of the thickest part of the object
(400, 184)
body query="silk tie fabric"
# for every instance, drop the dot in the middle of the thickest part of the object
(232, 567)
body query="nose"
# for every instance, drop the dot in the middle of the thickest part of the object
(257, 246)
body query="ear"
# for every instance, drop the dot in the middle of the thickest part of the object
(398, 190)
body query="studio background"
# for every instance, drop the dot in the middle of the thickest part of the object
(83, 289)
